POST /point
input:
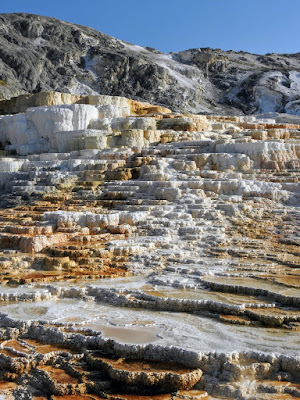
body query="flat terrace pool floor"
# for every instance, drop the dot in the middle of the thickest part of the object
(185, 330)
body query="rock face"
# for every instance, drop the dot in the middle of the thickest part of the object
(44, 54)
(193, 221)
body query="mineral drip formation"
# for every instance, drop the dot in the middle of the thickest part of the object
(147, 254)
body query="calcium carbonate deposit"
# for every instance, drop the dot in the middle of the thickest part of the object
(147, 254)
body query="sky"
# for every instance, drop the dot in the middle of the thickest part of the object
(256, 26)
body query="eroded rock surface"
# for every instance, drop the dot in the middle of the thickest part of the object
(39, 54)
(147, 254)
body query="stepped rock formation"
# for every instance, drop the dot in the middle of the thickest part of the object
(147, 254)
(44, 54)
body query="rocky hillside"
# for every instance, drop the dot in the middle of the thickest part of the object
(44, 54)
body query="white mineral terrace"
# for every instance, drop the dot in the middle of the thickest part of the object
(128, 232)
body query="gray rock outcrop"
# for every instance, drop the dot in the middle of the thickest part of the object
(44, 54)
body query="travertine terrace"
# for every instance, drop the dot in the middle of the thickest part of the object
(147, 254)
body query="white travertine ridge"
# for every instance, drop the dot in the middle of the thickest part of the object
(148, 253)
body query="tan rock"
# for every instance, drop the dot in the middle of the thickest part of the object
(167, 376)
